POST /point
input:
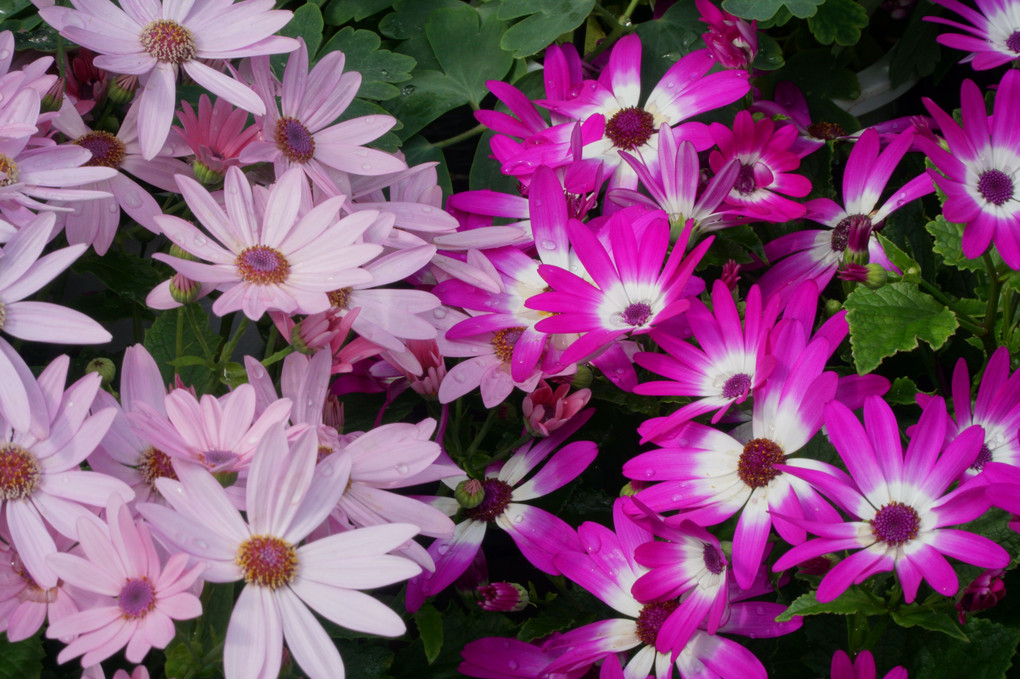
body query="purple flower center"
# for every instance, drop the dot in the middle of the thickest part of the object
(715, 562)
(168, 41)
(737, 386)
(636, 314)
(294, 139)
(497, 497)
(137, 598)
(19, 472)
(1013, 42)
(106, 149)
(267, 561)
(995, 186)
(757, 463)
(841, 234)
(895, 524)
(651, 618)
(153, 464)
(983, 458)
(745, 182)
(262, 265)
(503, 341)
(9, 172)
(630, 128)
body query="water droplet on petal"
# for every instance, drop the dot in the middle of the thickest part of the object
(439, 313)
(650, 473)
(201, 545)
(366, 166)
(518, 518)
(401, 468)
(443, 548)
(547, 245)
(512, 665)
(426, 209)
(200, 240)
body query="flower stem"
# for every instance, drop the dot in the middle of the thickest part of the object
(457, 138)
(992, 310)
(228, 349)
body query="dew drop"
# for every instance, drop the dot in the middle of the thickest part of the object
(201, 544)
(512, 665)
(70, 403)
(548, 245)
(459, 377)
(326, 470)
(443, 548)
(310, 402)
(506, 644)
(760, 610)
(439, 313)
(133, 200)
(650, 473)
(426, 209)
(401, 468)
(518, 518)
(361, 153)
(200, 240)
(407, 89)
(366, 166)
(5, 54)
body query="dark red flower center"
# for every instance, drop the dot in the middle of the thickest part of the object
(262, 265)
(636, 314)
(494, 503)
(1013, 42)
(757, 463)
(651, 618)
(630, 128)
(895, 524)
(715, 562)
(983, 458)
(737, 386)
(294, 139)
(995, 186)
(823, 130)
(745, 182)
(841, 234)
(137, 598)
(267, 561)
(153, 464)
(503, 341)
(19, 472)
(106, 149)
(168, 41)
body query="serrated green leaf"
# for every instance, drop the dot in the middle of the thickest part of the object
(838, 21)
(891, 319)
(850, 602)
(467, 48)
(428, 95)
(339, 12)
(902, 392)
(430, 627)
(948, 237)
(161, 341)
(21, 660)
(410, 16)
(909, 269)
(378, 68)
(763, 10)
(545, 20)
(667, 39)
(127, 275)
(988, 655)
(915, 615)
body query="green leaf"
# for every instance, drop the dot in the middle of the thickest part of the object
(378, 68)
(766, 9)
(900, 259)
(22, 660)
(468, 49)
(817, 72)
(125, 274)
(948, 237)
(545, 20)
(428, 95)
(339, 12)
(838, 21)
(916, 615)
(852, 601)
(161, 341)
(306, 24)
(665, 40)
(409, 17)
(430, 626)
(988, 655)
(770, 54)
(902, 392)
(891, 319)
(916, 53)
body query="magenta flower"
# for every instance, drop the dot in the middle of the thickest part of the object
(863, 667)
(731, 40)
(978, 171)
(277, 260)
(899, 502)
(992, 37)
(635, 286)
(287, 497)
(152, 40)
(139, 597)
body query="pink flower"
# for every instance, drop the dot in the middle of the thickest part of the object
(984, 592)
(153, 40)
(992, 37)
(546, 410)
(731, 40)
(139, 596)
(216, 136)
(277, 260)
(861, 668)
(287, 497)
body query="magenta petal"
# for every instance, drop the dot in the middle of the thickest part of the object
(562, 468)
(539, 535)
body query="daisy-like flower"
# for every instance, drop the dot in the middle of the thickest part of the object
(992, 37)
(732, 360)
(814, 254)
(636, 284)
(216, 135)
(139, 597)
(278, 260)
(901, 510)
(287, 497)
(731, 40)
(300, 133)
(152, 40)
(862, 667)
(979, 171)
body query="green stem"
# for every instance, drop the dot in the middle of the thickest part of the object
(198, 333)
(179, 351)
(621, 26)
(992, 310)
(278, 356)
(965, 320)
(457, 138)
(228, 349)
(271, 341)
(481, 433)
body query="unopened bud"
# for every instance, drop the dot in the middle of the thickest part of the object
(225, 479)
(205, 174)
(877, 276)
(582, 378)
(122, 89)
(104, 367)
(832, 307)
(508, 597)
(183, 290)
(54, 97)
(469, 493)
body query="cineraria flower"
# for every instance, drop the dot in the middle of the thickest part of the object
(287, 497)
(303, 135)
(899, 502)
(863, 667)
(636, 284)
(979, 171)
(814, 254)
(139, 596)
(151, 40)
(278, 260)
(994, 32)
(731, 40)
(216, 136)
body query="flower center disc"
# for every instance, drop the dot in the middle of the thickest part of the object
(825, 130)
(267, 561)
(630, 128)
(294, 139)
(1013, 42)
(841, 234)
(983, 458)
(261, 265)
(154, 464)
(106, 149)
(745, 182)
(995, 186)
(737, 386)
(504, 340)
(9, 170)
(895, 524)
(168, 41)
(651, 618)
(137, 598)
(19, 472)
(756, 466)
(495, 501)
(636, 314)
(715, 562)
(340, 298)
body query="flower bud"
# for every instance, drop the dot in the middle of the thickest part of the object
(984, 592)
(877, 276)
(183, 290)
(105, 367)
(469, 493)
(507, 597)
(54, 97)
(122, 89)
(582, 378)
(205, 174)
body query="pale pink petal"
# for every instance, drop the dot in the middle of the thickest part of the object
(314, 651)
